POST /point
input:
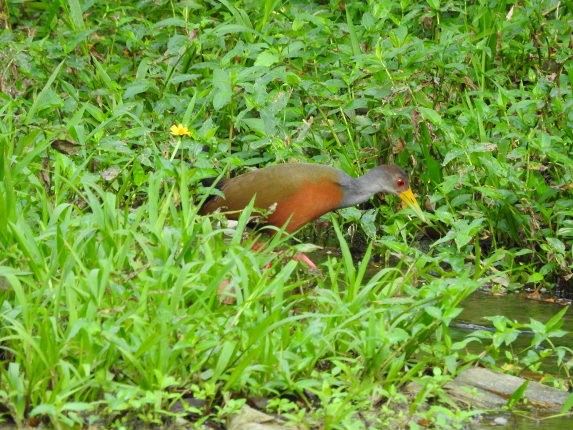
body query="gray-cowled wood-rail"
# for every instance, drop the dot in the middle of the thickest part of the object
(291, 195)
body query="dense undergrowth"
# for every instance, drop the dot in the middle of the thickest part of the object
(109, 280)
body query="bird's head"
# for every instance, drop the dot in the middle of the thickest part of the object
(396, 181)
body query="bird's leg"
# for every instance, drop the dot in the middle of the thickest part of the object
(298, 257)
(303, 258)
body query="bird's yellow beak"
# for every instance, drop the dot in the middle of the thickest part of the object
(410, 201)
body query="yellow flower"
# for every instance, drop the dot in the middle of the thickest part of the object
(180, 130)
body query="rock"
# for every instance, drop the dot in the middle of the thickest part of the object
(252, 419)
(483, 388)
(500, 421)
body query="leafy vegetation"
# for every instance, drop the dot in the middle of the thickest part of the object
(110, 283)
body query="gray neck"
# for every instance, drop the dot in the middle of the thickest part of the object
(358, 190)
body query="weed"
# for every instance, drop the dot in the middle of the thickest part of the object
(110, 283)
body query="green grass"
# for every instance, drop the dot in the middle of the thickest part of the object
(109, 305)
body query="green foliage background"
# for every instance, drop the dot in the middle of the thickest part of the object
(109, 278)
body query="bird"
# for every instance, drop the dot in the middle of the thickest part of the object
(290, 195)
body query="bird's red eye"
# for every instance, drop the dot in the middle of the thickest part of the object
(400, 182)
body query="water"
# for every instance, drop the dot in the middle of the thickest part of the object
(515, 307)
(519, 422)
